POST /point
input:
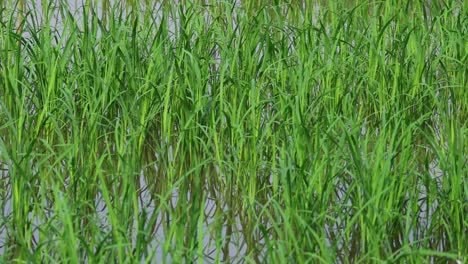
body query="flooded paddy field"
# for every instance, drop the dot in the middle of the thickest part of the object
(234, 131)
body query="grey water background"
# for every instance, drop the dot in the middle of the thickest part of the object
(237, 246)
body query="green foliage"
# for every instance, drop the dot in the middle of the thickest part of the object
(227, 131)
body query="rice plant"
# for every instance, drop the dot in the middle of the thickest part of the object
(234, 131)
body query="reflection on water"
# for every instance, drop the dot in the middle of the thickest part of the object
(227, 244)
(222, 225)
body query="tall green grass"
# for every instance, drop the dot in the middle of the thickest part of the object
(253, 131)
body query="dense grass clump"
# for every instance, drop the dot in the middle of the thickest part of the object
(237, 131)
